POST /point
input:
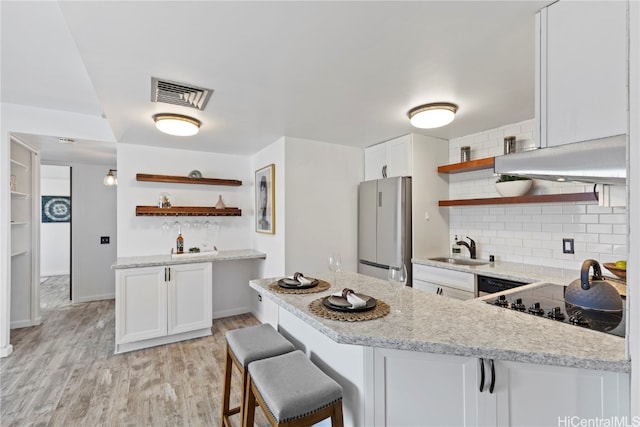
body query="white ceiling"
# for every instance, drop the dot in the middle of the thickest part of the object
(339, 72)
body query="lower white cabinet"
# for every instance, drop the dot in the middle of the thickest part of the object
(440, 281)
(412, 388)
(441, 390)
(537, 395)
(159, 305)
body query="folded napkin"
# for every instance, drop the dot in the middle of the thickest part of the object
(352, 298)
(301, 279)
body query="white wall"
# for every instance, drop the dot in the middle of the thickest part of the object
(530, 233)
(271, 244)
(633, 297)
(55, 238)
(145, 235)
(321, 204)
(93, 206)
(430, 237)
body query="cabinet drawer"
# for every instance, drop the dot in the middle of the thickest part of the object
(446, 291)
(442, 276)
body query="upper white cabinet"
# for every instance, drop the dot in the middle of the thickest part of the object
(581, 71)
(393, 157)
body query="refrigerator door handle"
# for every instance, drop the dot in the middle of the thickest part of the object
(373, 264)
(379, 199)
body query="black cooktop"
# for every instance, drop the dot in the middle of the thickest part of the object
(546, 301)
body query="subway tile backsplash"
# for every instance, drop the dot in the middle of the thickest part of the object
(530, 233)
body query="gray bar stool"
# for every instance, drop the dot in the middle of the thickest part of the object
(243, 347)
(292, 392)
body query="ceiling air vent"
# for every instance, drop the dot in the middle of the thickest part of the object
(179, 93)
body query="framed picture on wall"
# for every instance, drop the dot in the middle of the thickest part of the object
(265, 200)
(56, 208)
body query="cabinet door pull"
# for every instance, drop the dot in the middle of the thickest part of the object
(384, 171)
(493, 377)
(165, 274)
(169, 269)
(481, 374)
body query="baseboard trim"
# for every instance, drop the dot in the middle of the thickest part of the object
(94, 298)
(6, 350)
(54, 273)
(20, 324)
(231, 312)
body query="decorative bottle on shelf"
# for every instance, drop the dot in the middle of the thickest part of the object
(180, 244)
(455, 249)
(220, 204)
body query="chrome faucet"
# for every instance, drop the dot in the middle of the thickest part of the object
(471, 247)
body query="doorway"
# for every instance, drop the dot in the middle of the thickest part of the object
(55, 231)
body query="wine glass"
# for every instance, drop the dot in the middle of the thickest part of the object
(398, 279)
(335, 265)
(398, 276)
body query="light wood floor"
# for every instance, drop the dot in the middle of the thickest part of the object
(64, 372)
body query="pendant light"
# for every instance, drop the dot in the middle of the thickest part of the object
(176, 124)
(435, 115)
(110, 179)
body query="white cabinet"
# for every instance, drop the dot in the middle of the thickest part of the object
(394, 157)
(536, 395)
(427, 389)
(440, 281)
(158, 305)
(424, 389)
(581, 81)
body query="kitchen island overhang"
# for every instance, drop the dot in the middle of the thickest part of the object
(434, 324)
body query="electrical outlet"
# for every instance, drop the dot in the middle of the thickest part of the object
(104, 240)
(567, 246)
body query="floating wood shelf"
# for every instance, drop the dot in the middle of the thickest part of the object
(471, 165)
(539, 198)
(186, 211)
(187, 180)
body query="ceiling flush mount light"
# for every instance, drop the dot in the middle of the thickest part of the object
(110, 179)
(176, 124)
(434, 115)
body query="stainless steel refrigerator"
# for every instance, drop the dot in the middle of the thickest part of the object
(384, 226)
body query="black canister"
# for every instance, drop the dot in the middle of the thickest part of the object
(509, 144)
(465, 153)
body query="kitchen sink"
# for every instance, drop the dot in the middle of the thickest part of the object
(459, 261)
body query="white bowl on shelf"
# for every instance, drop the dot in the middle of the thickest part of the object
(514, 188)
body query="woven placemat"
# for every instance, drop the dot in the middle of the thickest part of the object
(380, 310)
(322, 286)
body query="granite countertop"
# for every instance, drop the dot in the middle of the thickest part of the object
(527, 273)
(168, 259)
(424, 322)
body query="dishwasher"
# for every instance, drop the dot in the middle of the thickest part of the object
(490, 285)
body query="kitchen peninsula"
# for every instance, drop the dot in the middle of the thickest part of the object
(438, 361)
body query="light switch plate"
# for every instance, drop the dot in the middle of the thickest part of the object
(567, 246)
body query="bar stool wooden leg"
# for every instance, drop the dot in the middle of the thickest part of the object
(228, 368)
(244, 346)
